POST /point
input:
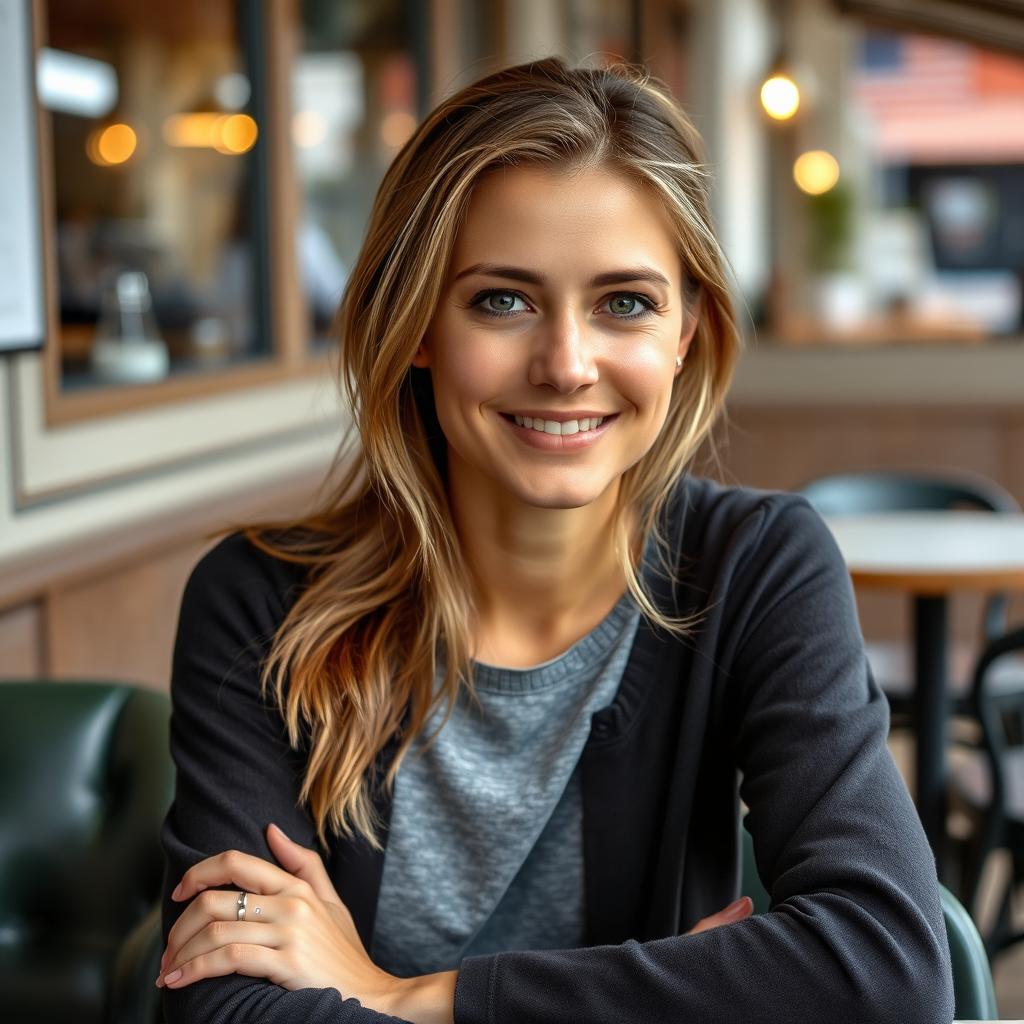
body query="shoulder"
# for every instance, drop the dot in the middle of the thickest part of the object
(735, 535)
(722, 513)
(250, 578)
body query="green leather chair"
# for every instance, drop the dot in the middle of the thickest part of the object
(973, 991)
(86, 778)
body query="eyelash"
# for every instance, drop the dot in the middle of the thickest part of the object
(649, 305)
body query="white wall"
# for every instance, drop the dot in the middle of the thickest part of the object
(61, 484)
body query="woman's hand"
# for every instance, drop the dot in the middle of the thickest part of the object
(296, 931)
(736, 911)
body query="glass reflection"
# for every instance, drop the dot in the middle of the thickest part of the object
(356, 93)
(154, 143)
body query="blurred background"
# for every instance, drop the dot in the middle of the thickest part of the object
(201, 173)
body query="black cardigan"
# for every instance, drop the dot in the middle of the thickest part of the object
(771, 701)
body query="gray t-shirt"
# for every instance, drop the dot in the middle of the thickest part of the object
(485, 846)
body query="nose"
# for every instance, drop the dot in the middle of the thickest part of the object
(563, 357)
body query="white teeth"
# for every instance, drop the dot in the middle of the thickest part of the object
(554, 427)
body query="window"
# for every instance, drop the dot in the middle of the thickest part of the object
(155, 143)
(899, 189)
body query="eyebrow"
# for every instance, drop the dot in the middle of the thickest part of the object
(531, 277)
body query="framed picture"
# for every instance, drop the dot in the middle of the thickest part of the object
(22, 308)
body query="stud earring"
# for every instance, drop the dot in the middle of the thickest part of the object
(679, 361)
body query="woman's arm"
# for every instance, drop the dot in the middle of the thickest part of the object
(856, 930)
(235, 772)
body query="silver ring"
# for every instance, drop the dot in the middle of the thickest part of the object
(242, 897)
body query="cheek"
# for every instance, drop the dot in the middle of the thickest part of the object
(480, 372)
(645, 377)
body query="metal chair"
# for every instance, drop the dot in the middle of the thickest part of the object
(973, 991)
(987, 785)
(866, 492)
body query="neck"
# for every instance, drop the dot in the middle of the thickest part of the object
(543, 576)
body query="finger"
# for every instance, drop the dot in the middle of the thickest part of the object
(737, 911)
(253, 961)
(218, 934)
(302, 862)
(217, 905)
(232, 867)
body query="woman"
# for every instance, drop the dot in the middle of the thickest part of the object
(524, 666)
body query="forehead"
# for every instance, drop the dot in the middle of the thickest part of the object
(561, 218)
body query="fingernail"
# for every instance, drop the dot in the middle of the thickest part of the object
(158, 983)
(177, 892)
(173, 976)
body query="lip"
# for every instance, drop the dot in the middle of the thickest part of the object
(559, 417)
(557, 442)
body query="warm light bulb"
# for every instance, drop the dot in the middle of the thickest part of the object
(235, 134)
(780, 97)
(194, 131)
(816, 171)
(111, 145)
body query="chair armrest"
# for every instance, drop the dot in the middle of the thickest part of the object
(134, 997)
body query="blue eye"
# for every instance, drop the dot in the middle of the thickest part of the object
(636, 309)
(497, 310)
(639, 305)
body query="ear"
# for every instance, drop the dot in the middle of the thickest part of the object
(421, 358)
(690, 321)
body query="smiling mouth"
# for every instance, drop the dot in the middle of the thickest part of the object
(557, 428)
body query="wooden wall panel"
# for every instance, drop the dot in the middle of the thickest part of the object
(108, 610)
(21, 631)
(120, 626)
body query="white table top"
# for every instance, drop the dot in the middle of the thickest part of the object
(933, 551)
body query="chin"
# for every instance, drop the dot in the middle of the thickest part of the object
(559, 495)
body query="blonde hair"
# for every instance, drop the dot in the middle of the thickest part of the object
(386, 582)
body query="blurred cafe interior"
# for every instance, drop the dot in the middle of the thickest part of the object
(191, 180)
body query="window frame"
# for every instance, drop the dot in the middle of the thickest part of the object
(283, 314)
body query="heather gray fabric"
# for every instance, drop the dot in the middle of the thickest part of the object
(451, 888)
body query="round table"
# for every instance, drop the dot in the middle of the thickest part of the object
(932, 555)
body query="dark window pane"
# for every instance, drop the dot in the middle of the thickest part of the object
(156, 134)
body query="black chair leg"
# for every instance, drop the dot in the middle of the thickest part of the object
(1002, 927)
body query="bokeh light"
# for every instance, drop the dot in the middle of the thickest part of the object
(236, 133)
(226, 133)
(815, 171)
(309, 128)
(111, 145)
(780, 97)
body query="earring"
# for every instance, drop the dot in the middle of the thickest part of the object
(679, 361)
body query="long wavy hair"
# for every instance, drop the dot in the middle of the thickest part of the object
(353, 664)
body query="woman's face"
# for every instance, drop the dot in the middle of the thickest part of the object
(563, 303)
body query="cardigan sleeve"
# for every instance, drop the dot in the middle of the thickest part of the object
(235, 772)
(855, 932)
